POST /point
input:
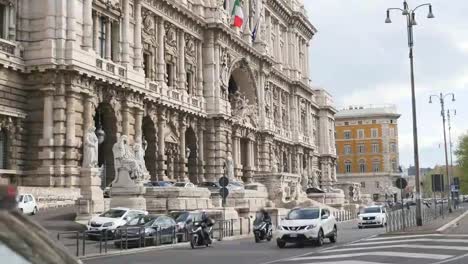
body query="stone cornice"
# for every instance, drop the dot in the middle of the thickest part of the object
(293, 18)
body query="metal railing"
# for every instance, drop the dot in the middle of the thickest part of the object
(405, 217)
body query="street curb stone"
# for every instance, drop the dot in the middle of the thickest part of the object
(451, 223)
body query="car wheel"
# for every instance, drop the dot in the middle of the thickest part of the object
(281, 244)
(34, 210)
(320, 238)
(334, 236)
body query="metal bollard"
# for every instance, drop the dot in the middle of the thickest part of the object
(84, 242)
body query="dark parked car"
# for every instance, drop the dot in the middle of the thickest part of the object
(135, 223)
(158, 184)
(159, 230)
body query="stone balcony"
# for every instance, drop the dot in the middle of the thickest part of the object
(11, 55)
(110, 68)
(176, 97)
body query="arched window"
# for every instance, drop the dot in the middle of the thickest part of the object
(376, 165)
(394, 165)
(348, 166)
(3, 149)
(362, 166)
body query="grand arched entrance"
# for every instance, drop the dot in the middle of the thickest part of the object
(149, 138)
(191, 155)
(106, 121)
(243, 99)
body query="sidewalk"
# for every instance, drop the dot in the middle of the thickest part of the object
(432, 227)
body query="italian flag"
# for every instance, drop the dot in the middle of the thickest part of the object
(238, 14)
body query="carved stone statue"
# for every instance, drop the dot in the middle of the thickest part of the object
(140, 171)
(124, 158)
(187, 152)
(229, 167)
(225, 61)
(90, 149)
(275, 163)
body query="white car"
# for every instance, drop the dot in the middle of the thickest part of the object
(184, 185)
(372, 216)
(303, 225)
(27, 204)
(109, 221)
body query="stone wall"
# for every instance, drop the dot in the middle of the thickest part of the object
(164, 199)
(48, 197)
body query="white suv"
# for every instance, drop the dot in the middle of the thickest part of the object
(372, 216)
(303, 225)
(109, 221)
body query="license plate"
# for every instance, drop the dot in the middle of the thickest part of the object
(94, 229)
(293, 235)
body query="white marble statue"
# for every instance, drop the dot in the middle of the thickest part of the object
(90, 149)
(229, 167)
(140, 171)
(124, 157)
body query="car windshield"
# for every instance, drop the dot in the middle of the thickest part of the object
(303, 214)
(114, 213)
(152, 222)
(371, 210)
(182, 217)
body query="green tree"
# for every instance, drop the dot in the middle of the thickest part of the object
(462, 160)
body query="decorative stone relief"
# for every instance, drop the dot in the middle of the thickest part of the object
(131, 159)
(149, 35)
(170, 39)
(190, 50)
(244, 113)
(225, 61)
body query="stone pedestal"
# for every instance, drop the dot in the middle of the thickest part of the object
(335, 200)
(126, 193)
(164, 199)
(92, 199)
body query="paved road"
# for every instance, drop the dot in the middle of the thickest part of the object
(244, 251)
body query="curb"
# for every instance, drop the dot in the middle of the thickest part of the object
(451, 223)
(155, 248)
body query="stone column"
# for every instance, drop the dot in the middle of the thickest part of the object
(182, 147)
(200, 70)
(201, 153)
(236, 154)
(161, 73)
(138, 124)
(138, 44)
(48, 115)
(250, 161)
(87, 24)
(125, 31)
(108, 39)
(46, 143)
(125, 120)
(70, 127)
(161, 147)
(71, 22)
(116, 40)
(95, 36)
(181, 68)
(269, 25)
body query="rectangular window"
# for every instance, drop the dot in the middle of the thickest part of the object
(363, 184)
(361, 148)
(346, 123)
(348, 167)
(361, 133)
(146, 64)
(189, 82)
(3, 34)
(359, 122)
(375, 147)
(393, 147)
(374, 121)
(347, 134)
(392, 132)
(375, 132)
(376, 166)
(102, 36)
(347, 149)
(170, 75)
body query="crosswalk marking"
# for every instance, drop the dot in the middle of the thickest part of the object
(408, 246)
(463, 241)
(378, 253)
(351, 262)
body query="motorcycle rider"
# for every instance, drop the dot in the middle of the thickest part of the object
(205, 222)
(266, 218)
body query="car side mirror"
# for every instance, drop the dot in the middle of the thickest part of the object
(324, 217)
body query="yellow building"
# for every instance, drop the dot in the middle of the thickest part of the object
(367, 148)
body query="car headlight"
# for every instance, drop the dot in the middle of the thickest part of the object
(310, 227)
(108, 224)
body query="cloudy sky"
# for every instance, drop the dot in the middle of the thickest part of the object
(361, 60)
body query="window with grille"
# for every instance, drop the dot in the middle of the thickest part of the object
(375, 148)
(348, 166)
(361, 148)
(361, 133)
(362, 166)
(375, 132)
(347, 149)
(3, 149)
(347, 134)
(375, 165)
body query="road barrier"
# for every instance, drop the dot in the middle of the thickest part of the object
(405, 217)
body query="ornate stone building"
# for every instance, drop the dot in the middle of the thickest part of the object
(173, 72)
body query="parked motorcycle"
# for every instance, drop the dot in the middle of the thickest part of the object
(262, 231)
(197, 238)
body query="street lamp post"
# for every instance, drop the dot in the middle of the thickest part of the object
(410, 15)
(441, 98)
(450, 140)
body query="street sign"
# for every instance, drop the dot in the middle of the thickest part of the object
(223, 181)
(454, 188)
(224, 192)
(401, 183)
(437, 182)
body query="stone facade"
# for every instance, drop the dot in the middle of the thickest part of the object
(173, 73)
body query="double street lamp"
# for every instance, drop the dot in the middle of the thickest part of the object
(410, 15)
(441, 98)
